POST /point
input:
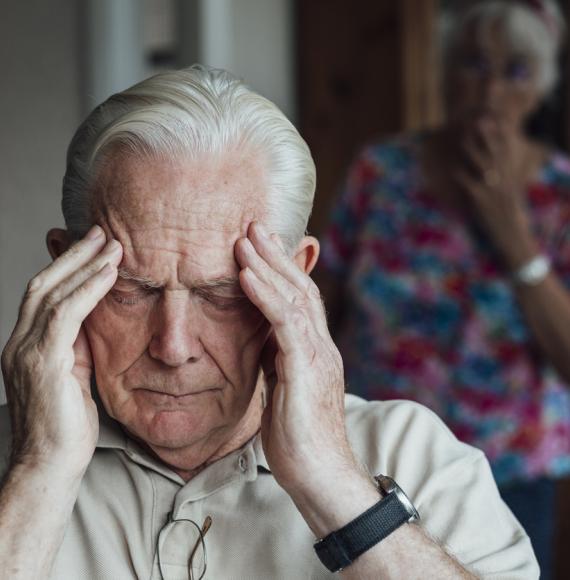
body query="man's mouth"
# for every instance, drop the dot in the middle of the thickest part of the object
(157, 397)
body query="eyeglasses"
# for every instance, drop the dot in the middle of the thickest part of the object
(197, 561)
(516, 70)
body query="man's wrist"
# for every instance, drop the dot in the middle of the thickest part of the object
(331, 501)
(47, 470)
(346, 544)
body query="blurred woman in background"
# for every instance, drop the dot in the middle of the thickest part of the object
(447, 263)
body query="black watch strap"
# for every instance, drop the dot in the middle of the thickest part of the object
(339, 549)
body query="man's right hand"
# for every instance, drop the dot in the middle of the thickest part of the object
(47, 363)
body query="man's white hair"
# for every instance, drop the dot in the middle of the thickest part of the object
(182, 115)
(537, 31)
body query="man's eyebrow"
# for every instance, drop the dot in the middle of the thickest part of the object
(126, 274)
(227, 283)
(223, 283)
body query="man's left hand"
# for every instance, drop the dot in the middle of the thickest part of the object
(303, 426)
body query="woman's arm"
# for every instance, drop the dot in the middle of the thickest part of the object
(499, 206)
(546, 307)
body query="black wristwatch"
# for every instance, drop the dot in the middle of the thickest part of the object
(339, 549)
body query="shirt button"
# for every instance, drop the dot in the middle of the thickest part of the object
(242, 462)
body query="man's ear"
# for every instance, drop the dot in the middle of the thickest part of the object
(57, 241)
(307, 254)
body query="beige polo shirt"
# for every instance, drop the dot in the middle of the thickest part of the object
(128, 500)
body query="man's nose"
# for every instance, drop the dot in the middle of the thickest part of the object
(176, 337)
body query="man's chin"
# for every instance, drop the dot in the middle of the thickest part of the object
(171, 429)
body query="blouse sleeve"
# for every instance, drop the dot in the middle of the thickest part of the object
(559, 249)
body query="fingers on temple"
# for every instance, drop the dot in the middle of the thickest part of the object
(65, 318)
(77, 255)
(278, 274)
(248, 256)
(274, 254)
(294, 310)
(290, 324)
(111, 254)
(65, 274)
(276, 260)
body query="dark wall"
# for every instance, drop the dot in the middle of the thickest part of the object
(349, 67)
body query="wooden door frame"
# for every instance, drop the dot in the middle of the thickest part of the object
(420, 64)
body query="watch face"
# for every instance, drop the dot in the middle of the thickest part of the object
(387, 486)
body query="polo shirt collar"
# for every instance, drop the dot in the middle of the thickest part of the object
(260, 458)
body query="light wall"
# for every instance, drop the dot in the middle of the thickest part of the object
(39, 109)
(253, 39)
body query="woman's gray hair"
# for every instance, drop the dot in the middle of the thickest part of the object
(181, 115)
(533, 28)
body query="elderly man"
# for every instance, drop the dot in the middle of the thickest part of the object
(176, 403)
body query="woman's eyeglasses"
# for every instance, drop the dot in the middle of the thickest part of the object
(514, 70)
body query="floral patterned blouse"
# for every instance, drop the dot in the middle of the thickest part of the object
(430, 314)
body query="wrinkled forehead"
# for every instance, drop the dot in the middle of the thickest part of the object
(215, 190)
(174, 207)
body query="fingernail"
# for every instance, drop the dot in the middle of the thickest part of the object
(113, 247)
(247, 245)
(107, 270)
(261, 230)
(248, 272)
(94, 233)
(277, 239)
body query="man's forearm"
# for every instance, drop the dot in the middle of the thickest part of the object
(35, 508)
(406, 553)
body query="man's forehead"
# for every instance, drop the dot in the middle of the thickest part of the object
(155, 265)
(184, 216)
(220, 190)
